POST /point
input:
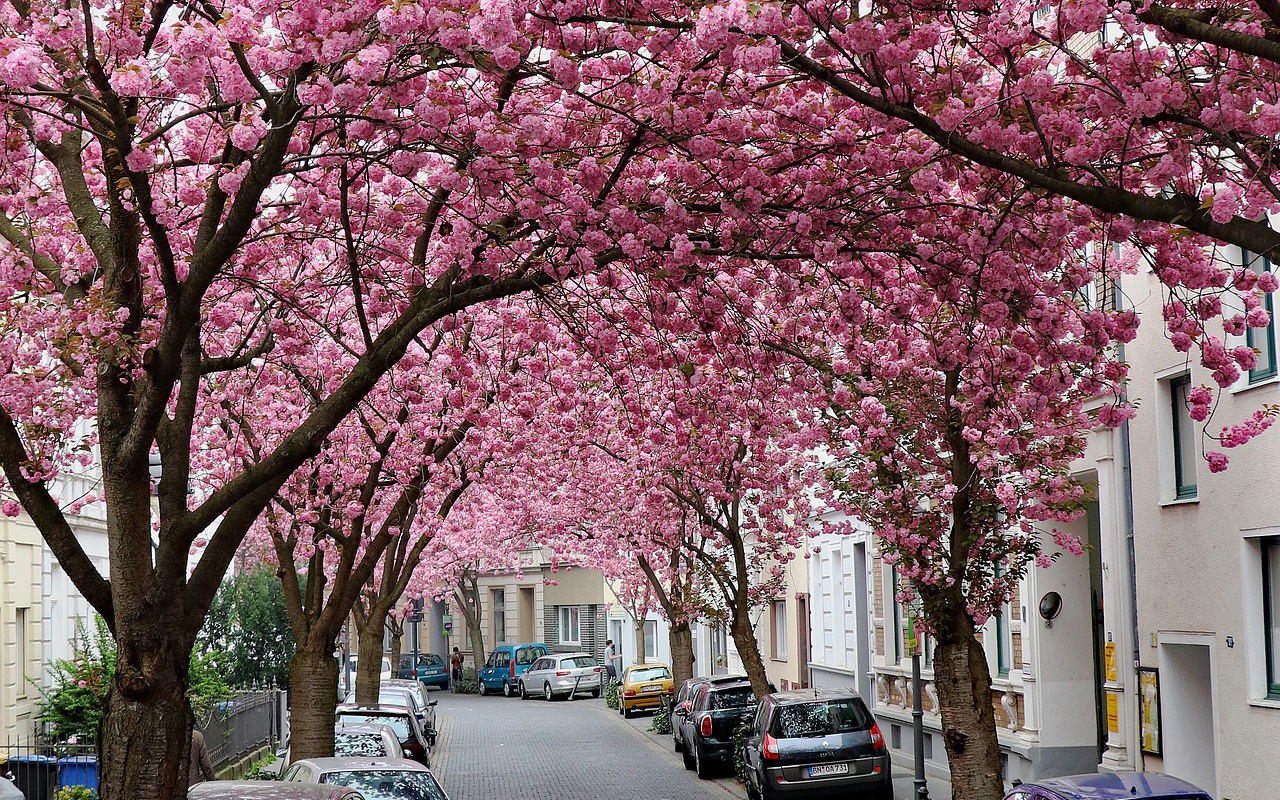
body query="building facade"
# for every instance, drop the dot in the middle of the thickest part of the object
(22, 656)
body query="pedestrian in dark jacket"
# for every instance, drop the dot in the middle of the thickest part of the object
(201, 766)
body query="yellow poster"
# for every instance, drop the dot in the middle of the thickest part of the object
(1149, 705)
(1109, 651)
(1113, 712)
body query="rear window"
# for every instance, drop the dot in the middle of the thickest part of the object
(433, 660)
(821, 718)
(388, 784)
(579, 661)
(650, 674)
(732, 698)
(359, 744)
(399, 724)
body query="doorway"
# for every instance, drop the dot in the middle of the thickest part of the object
(1186, 706)
(524, 612)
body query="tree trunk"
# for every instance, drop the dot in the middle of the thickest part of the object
(397, 644)
(963, 681)
(681, 638)
(145, 740)
(476, 631)
(313, 694)
(369, 667)
(744, 638)
(639, 651)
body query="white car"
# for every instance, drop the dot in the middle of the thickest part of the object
(375, 778)
(561, 675)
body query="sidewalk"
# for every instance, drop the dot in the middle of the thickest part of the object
(939, 788)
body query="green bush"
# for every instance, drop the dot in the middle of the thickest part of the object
(74, 704)
(662, 719)
(263, 769)
(75, 793)
(469, 683)
(739, 742)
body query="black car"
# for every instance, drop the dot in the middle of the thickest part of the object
(715, 711)
(684, 698)
(816, 743)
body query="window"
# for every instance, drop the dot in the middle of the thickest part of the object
(570, 629)
(780, 629)
(499, 616)
(650, 639)
(20, 649)
(1271, 612)
(1004, 642)
(1263, 340)
(893, 638)
(1184, 438)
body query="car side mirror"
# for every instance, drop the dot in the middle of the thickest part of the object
(432, 703)
(680, 711)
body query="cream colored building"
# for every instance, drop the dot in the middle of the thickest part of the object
(21, 616)
(1207, 555)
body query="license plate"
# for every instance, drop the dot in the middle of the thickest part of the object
(652, 688)
(828, 769)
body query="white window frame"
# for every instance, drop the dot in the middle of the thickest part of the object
(1166, 438)
(570, 625)
(778, 612)
(499, 601)
(650, 638)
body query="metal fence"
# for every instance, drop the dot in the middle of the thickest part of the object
(237, 727)
(232, 729)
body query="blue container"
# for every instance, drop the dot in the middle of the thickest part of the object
(78, 771)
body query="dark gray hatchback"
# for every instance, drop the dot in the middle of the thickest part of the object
(816, 743)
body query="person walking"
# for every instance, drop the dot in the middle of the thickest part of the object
(201, 767)
(611, 660)
(455, 667)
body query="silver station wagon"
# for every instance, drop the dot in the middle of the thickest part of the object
(561, 675)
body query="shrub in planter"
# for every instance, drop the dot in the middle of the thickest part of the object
(468, 683)
(739, 741)
(75, 793)
(611, 695)
(662, 719)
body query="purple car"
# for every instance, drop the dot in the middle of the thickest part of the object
(1109, 786)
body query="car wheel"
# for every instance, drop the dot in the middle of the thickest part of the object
(752, 792)
(627, 713)
(886, 793)
(701, 767)
(547, 694)
(483, 689)
(524, 693)
(595, 693)
(688, 759)
(508, 690)
(675, 744)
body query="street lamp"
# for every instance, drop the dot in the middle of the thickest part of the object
(917, 714)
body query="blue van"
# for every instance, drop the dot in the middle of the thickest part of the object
(505, 664)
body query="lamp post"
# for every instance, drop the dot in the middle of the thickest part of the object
(917, 715)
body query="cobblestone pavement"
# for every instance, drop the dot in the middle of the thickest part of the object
(498, 747)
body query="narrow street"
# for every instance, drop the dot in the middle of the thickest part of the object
(497, 747)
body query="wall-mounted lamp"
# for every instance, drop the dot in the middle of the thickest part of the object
(1050, 608)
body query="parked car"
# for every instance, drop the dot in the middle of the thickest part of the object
(1111, 786)
(506, 663)
(375, 778)
(401, 719)
(410, 694)
(707, 725)
(815, 743)
(561, 674)
(644, 686)
(684, 698)
(371, 741)
(426, 667)
(269, 790)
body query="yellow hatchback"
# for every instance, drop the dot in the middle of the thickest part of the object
(644, 686)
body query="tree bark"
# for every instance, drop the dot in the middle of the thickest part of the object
(369, 667)
(680, 636)
(963, 681)
(639, 651)
(313, 695)
(397, 643)
(145, 741)
(744, 638)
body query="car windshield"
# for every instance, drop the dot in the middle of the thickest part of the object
(579, 661)
(649, 674)
(820, 719)
(399, 724)
(732, 698)
(359, 744)
(388, 784)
